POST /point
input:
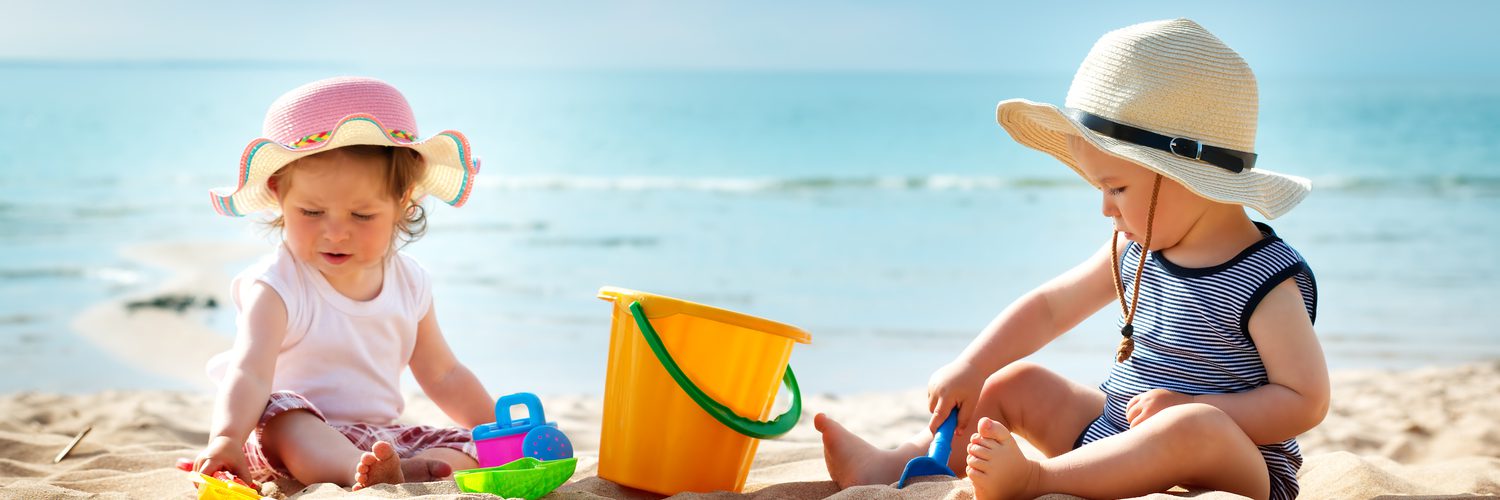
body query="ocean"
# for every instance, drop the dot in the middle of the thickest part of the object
(886, 214)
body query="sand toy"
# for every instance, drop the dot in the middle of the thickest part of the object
(505, 440)
(936, 461)
(526, 477)
(224, 486)
(686, 392)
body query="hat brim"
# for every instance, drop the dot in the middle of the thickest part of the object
(451, 165)
(1046, 128)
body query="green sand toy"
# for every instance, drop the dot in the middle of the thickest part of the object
(526, 477)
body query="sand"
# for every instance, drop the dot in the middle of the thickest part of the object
(1416, 434)
(1440, 436)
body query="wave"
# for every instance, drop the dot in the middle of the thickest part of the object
(105, 274)
(1479, 185)
(774, 184)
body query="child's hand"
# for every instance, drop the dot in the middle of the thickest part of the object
(1149, 403)
(222, 454)
(955, 384)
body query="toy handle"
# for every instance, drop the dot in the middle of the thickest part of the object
(533, 405)
(942, 442)
(753, 428)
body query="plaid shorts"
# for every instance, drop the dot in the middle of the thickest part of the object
(409, 440)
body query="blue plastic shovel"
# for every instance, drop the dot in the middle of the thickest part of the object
(936, 461)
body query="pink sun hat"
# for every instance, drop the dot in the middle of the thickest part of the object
(338, 112)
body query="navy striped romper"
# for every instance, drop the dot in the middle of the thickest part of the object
(1192, 336)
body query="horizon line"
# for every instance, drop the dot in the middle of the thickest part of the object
(252, 63)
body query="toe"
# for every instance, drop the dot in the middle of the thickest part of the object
(829, 427)
(439, 469)
(384, 450)
(993, 430)
(980, 451)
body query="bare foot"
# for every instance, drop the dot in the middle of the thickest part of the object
(852, 461)
(421, 470)
(996, 465)
(381, 466)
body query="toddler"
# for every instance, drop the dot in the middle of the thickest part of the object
(1218, 369)
(328, 321)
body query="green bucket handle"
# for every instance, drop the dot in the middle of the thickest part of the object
(725, 415)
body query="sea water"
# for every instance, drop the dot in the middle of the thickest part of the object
(886, 214)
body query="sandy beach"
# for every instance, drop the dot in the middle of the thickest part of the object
(1419, 433)
(1437, 437)
(887, 177)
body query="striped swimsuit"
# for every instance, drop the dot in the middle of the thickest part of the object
(1192, 336)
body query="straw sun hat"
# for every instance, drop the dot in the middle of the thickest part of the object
(338, 112)
(1170, 97)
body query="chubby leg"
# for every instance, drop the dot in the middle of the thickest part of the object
(1051, 410)
(1190, 445)
(315, 452)
(310, 449)
(1048, 410)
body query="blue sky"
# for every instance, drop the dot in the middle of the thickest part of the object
(1424, 38)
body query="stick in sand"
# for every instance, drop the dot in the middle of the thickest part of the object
(76, 439)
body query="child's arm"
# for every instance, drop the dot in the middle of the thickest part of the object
(247, 381)
(448, 382)
(1295, 400)
(1022, 328)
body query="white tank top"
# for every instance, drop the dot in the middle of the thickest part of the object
(345, 356)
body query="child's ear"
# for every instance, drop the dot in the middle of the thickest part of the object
(271, 185)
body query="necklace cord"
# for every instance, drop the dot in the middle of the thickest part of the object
(1127, 344)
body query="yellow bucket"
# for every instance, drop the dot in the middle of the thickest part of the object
(682, 378)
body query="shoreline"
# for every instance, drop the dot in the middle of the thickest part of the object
(163, 338)
(155, 332)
